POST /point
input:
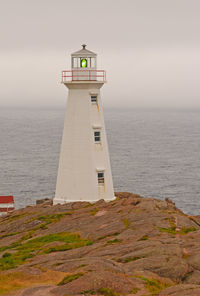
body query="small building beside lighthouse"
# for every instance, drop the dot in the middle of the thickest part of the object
(84, 172)
(6, 205)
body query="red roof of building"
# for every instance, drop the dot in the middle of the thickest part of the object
(6, 199)
(5, 210)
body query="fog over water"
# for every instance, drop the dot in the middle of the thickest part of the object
(153, 153)
(150, 49)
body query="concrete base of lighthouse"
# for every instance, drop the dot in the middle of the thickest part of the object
(81, 158)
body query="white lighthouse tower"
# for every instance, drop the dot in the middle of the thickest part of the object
(84, 172)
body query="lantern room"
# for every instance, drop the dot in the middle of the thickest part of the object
(83, 68)
(84, 59)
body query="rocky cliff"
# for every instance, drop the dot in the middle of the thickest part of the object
(130, 246)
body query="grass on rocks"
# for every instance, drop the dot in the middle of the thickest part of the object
(17, 243)
(130, 259)
(108, 235)
(154, 286)
(23, 251)
(70, 278)
(144, 237)
(126, 223)
(194, 220)
(107, 292)
(101, 291)
(114, 241)
(12, 260)
(8, 234)
(135, 290)
(53, 217)
(185, 230)
(10, 282)
(94, 211)
(172, 230)
(46, 219)
(14, 217)
(49, 219)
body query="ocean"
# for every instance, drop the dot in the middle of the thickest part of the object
(154, 153)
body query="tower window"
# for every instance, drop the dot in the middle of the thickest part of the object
(94, 99)
(97, 136)
(100, 178)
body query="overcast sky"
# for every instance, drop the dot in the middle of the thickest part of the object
(149, 48)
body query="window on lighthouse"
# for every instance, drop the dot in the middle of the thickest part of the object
(94, 99)
(100, 178)
(97, 136)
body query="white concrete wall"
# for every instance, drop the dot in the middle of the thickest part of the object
(80, 157)
(6, 205)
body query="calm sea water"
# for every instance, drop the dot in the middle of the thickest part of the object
(153, 153)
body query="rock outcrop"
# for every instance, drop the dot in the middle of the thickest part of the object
(130, 246)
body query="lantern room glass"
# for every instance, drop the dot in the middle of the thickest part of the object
(84, 62)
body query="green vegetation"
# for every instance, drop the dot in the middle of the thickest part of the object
(88, 292)
(144, 237)
(12, 260)
(126, 223)
(185, 256)
(88, 205)
(37, 246)
(66, 247)
(185, 230)
(102, 291)
(172, 230)
(58, 264)
(71, 241)
(107, 292)
(70, 278)
(42, 226)
(154, 286)
(135, 290)
(83, 265)
(94, 211)
(114, 241)
(129, 259)
(53, 217)
(49, 219)
(11, 282)
(194, 220)
(23, 251)
(8, 234)
(4, 248)
(108, 235)
(15, 217)
(17, 243)
(6, 255)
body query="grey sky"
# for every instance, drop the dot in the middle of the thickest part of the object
(150, 49)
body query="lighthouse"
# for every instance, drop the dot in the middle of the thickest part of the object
(84, 172)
